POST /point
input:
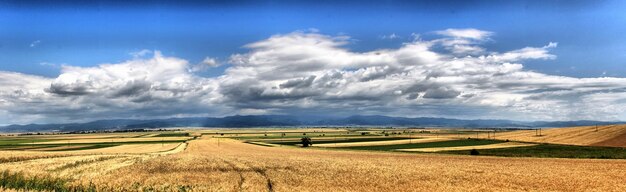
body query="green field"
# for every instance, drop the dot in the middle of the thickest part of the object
(453, 143)
(172, 135)
(15, 141)
(552, 150)
(341, 140)
(292, 135)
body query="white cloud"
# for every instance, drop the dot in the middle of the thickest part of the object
(308, 72)
(206, 63)
(390, 37)
(463, 41)
(211, 62)
(140, 53)
(35, 43)
(466, 33)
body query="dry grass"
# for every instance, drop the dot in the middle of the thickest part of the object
(377, 143)
(491, 146)
(572, 136)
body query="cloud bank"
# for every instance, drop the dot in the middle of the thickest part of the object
(315, 74)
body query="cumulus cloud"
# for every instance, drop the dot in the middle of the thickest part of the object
(309, 72)
(313, 71)
(138, 88)
(207, 62)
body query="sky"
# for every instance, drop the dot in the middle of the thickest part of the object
(74, 61)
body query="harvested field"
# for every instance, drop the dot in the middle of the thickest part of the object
(617, 141)
(610, 135)
(491, 146)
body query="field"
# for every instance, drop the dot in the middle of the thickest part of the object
(610, 136)
(272, 160)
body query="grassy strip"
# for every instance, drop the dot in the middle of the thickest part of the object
(45, 146)
(172, 135)
(86, 147)
(553, 150)
(22, 147)
(288, 136)
(342, 140)
(102, 143)
(16, 141)
(18, 181)
(259, 144)
(17, 159)
(452, 143)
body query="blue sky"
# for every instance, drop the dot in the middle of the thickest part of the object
(71, 61)
(589, 33)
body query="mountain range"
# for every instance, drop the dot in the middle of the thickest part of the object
(247, 121)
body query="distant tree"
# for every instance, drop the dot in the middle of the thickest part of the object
(474, 152)
(306, 142)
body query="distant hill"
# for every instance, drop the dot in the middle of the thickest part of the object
(286, 120)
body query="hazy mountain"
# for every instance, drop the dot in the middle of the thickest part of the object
(285, 120)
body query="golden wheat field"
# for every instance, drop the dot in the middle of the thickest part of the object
(235, 166)
(215, 163)
(610, 135)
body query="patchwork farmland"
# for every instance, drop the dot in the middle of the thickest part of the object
(339, 159)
